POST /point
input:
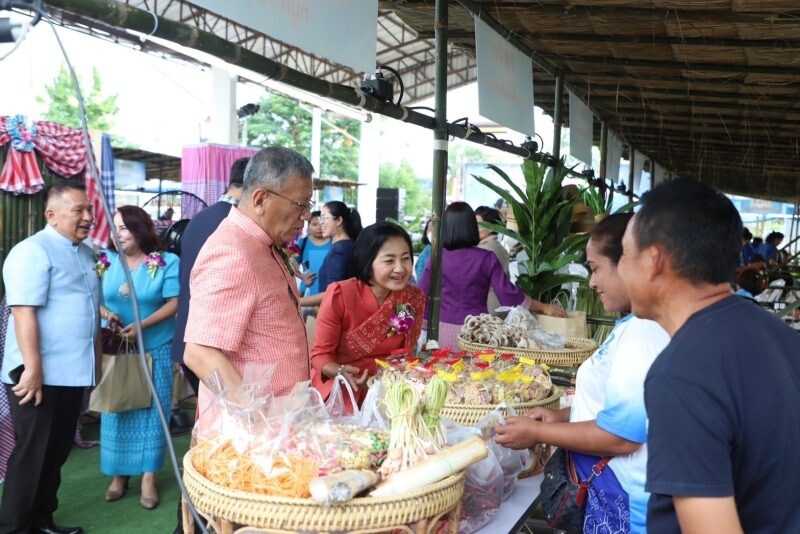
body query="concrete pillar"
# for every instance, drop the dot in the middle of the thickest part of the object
(223, 107)
(368, 163)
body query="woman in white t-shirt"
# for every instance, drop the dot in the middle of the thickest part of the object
(608, 415)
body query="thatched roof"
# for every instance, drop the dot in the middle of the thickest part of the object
(707, 88)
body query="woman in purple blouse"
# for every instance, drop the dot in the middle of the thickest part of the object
(468, 273)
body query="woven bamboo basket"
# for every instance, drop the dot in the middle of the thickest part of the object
(279, 514)
(469, 414)
(577, 351)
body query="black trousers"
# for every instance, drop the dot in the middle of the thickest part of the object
(44, 438)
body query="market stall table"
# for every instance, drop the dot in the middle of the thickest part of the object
(516, 509)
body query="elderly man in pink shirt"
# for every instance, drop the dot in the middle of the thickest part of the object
(244, 305)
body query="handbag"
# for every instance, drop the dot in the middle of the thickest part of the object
(573, 325)
(562, 495)
(123, 384)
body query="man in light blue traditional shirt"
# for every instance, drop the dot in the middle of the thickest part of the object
(52, 353)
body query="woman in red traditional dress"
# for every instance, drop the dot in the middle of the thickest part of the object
(369, 316)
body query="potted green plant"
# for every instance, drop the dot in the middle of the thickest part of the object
(543, 218)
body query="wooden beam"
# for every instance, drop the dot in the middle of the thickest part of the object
(636, 93)
(631, 79)
(599, 60)
(774, 17)
(649, 121)
(688, 102)
(606, 38)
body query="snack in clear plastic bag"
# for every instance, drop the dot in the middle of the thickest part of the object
(360, 447)
(512, 462)
(483, 483)
(252, 442)
(547, 340)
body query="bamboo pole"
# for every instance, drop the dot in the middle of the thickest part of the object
(557, 107)
(631, 172)
(603, 158)
(439, 166)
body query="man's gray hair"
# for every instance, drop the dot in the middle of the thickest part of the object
(271, 167)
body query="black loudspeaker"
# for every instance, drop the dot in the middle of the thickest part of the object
(388, 204)
(172, 237)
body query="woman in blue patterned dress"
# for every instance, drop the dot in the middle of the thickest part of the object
(132, 442)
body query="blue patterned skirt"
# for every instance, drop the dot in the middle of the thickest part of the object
(132, 442)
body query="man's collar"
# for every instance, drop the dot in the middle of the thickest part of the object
(229, 199)
(55, 234)
(242, 220)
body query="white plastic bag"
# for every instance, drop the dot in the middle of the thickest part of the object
(370, 414)
(335, 405)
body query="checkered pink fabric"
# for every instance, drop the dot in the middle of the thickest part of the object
(245, 303)
(64, 152)
(206, 171)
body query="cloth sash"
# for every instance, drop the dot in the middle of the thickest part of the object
(362, 341)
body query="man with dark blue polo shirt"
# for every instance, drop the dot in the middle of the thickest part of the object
(724, 422)
(194, 237)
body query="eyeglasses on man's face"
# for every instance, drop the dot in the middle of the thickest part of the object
(302, 207)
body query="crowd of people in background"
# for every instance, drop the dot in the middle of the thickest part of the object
(244, 285)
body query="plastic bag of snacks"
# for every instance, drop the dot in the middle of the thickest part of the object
(511, 462)
(259, 444)
(483, 484)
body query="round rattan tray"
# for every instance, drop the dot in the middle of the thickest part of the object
(305, 515)
(577, 351)
(469, 414)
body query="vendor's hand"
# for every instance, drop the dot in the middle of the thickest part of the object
(517, 433)
(29, 387)
(350, 374)
(129, 332)
(546, 415)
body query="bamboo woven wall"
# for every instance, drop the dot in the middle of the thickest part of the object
(20, 216)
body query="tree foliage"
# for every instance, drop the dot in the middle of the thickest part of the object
(62, 104)
(418, 199)
(282, 121)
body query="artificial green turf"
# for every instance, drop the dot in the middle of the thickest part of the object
(81, 501)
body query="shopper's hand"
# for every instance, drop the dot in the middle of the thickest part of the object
(113, 320)
(553, 310)
(517, 433)
(29, 387)
(350, 374)
(129, 333)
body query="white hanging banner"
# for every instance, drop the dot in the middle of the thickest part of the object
(505, 81)
(344, 31)
(580, 130)
(613, 156)
(638, 167)
(658, 175)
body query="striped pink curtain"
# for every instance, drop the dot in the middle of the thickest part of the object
(205, 172)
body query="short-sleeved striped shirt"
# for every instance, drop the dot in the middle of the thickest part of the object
(245, 303)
